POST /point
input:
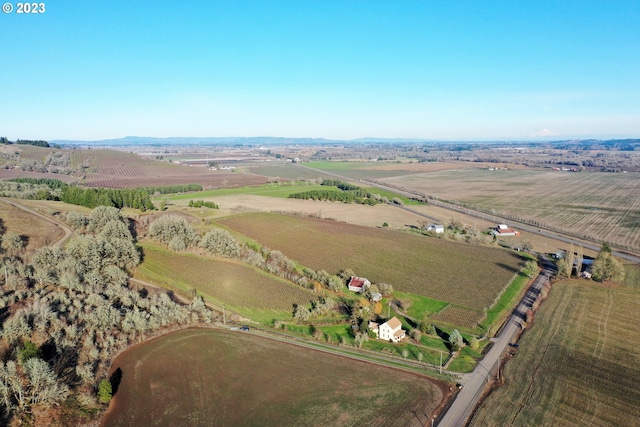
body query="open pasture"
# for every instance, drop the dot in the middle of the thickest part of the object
(469, 276)
(373, 216)
(578, 365)
(593, 205)
(270, 190)
(239, 286)
(204, 377)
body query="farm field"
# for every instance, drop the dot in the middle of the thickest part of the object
(373, 216)
(117, 169)
(38, 231)
(292, 171)
(242, 288)
(270, 190)
(578, 365)
(601, 206)
(469, 277)
(257, 381)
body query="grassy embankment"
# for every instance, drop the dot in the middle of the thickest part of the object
(246, 290)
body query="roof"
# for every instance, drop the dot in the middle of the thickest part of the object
(394, 323)
(357, 282)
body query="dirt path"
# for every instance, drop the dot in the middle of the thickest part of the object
(180, 298)
(67, 231)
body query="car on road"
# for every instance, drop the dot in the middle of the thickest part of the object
(514, 345)
(244, 328)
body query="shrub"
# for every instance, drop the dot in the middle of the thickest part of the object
(105, 392)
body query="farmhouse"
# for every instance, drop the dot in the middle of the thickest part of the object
(391, 330)
(358, 284)
(504, 230)
(436, 228)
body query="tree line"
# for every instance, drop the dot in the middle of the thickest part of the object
(54, 189)
(171, 189)
(37, 143)
(119, 198)
(348, 193)
(202, 203)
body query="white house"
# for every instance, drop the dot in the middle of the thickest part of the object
(391, 330)
(358, 284)
(504, 230)
(436, 228)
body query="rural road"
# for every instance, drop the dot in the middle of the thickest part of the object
(67, 231)
(474, 383)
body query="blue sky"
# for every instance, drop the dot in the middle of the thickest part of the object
(325, 69)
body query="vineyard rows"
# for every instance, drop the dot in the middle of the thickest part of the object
(460, 316)
(466, 275)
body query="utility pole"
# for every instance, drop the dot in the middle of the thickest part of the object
(224, 314)
(389, 311)
(440, 361)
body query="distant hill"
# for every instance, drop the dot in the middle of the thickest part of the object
(152, 141)
(624, 144)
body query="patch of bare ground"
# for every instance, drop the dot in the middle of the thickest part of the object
(351, 213)
(36, 231)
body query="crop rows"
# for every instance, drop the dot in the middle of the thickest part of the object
(595, 206)
(212, 180)
(466, 275)
(238, 285)
(577, 366)
(461, 316)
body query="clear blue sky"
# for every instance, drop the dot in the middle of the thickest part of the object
(334, 69)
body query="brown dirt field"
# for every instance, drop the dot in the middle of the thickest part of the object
(540, 243)
(418, 167)
(38, 231)
(209, 180)
(590, 205)
(214, 377)
(350, 213)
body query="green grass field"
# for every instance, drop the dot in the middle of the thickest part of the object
(270, 190)
(468, 276)
(578, 365)
(358, 170)
(244, 289)
(204, 377)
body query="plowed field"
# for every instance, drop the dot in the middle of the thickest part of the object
(204, 377)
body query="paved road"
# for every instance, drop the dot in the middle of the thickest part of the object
(474, 383)
(66, 230)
